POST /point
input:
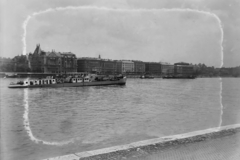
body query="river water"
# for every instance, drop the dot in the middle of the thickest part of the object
(46, 122)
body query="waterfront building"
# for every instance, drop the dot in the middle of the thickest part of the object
(69, 62)
(183, 69)
(87, 64)
(97, 65)
(153, 68)
(167, 69)
(124, 66)
(139, 67)
(109, 67)
(52, 62)
(119, 67)
(36, 60)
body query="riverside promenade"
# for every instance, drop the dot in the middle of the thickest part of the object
(211, 144)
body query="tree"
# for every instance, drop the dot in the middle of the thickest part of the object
(21, 63)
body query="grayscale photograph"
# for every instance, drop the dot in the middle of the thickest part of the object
(120, 79)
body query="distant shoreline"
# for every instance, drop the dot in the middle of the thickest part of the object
(40, 75)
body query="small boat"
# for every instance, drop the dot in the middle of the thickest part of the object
(69, 82)
(146, 77)
(11, 76)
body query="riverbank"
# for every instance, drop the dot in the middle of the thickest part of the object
(44, 75)
(143, 149)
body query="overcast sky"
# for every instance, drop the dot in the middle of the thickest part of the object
(126, 29)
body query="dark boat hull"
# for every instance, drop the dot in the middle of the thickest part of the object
(82, 84)
(179, 77)
(11, 76)
(147, 77)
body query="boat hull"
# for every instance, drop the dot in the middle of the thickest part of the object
(179, 77)
(147, 77)
(81, 84)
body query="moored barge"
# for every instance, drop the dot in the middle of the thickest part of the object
(70, 82)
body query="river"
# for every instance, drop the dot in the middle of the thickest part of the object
(46, 122)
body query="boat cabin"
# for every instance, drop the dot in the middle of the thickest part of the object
(76, 80)
(86, 79)
(39, 82)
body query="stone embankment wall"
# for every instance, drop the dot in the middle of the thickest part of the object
(150, 146)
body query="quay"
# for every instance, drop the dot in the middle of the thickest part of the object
(221, 143)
